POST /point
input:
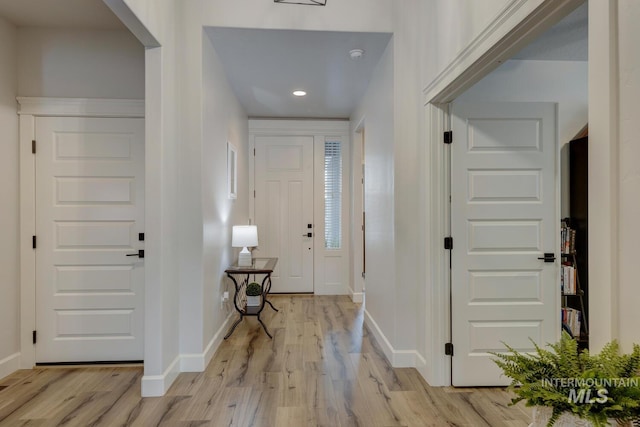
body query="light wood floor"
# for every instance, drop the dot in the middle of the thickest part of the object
(321, 369)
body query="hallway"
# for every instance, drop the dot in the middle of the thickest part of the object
(321, 369)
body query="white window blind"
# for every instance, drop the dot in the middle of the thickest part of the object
(332, 194)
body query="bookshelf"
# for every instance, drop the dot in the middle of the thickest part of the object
(578, 221)
(573, 313)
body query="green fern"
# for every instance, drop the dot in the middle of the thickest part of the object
(536, 379)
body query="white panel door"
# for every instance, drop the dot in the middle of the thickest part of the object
(89, 211)
(504, 217)
(284, 209)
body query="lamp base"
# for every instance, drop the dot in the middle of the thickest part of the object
(244, 258)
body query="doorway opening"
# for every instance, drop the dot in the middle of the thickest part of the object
(526, 77)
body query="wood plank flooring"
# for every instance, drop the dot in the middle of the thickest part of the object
(322, 368)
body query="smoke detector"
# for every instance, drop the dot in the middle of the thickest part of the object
(356, 53)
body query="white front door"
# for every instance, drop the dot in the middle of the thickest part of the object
(89, 216)
(504, 217)
(284, 209)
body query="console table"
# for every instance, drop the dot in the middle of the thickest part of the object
(259, 266)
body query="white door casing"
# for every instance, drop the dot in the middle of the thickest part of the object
(284, 208)
(504, 216)
(89, 213)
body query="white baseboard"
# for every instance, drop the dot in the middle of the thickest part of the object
(421, 362)
(157, 385)
(404, 359)
(199, 362)
(382, 340)
(331, 289)
(9, 365)
(408, 359)
(423, 369)
(357, 297)
(397, 358)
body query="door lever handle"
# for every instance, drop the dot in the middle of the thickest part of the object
(139, 254)
(307, 235)
(548, 257)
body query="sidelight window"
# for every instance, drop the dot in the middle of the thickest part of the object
(332, 194)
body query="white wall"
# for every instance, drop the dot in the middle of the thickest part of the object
(163, 210)
(394, 194)
(377, 111)
(564, 82)
(80, 63)
(614, 156)
(224, 121)
(159, 26)
(183, 309)
(452, 25)
(409, 158)
(628, 175)
(344, 15)
(355, 284)
(9, 220)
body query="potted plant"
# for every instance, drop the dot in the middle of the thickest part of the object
(254, 291)
(571, 388)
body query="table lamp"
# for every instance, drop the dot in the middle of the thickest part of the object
(243, 237)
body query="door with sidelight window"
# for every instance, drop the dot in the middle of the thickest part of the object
(299, 206)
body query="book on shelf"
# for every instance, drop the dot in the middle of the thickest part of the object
(567, 239)
(568, 280)
(572, 318)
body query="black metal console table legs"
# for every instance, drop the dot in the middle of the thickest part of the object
(243, 313)
(239, 299)
(237, 322)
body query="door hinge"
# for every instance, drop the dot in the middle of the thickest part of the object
(35, 337)
(33, 242)
(254, 152)
(448, 349)
(254, 194)
(448, 243)
(33, 146)
(448, 137)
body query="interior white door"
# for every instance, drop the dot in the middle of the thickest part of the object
(284, 209)
(89, 213)
(504, 217)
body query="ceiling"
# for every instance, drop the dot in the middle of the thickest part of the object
(565, 41)
(265, 66)
(60, 14)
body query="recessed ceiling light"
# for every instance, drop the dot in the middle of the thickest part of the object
(299, 93)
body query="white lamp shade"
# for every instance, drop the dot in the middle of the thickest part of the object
(244, 236)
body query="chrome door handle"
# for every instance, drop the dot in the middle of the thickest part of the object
(139, 254)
